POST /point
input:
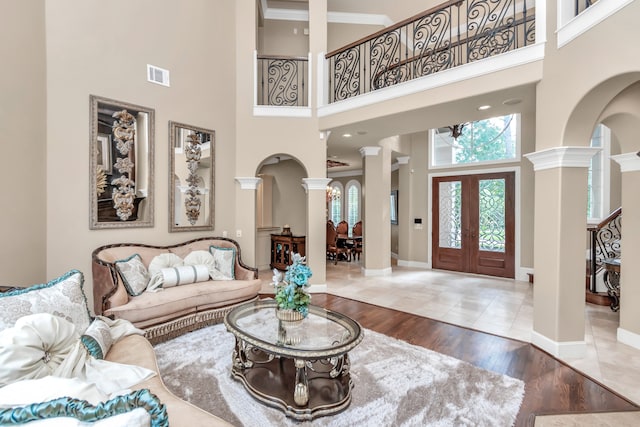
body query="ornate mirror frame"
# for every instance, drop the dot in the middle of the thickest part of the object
(191, 178)
(121, 164)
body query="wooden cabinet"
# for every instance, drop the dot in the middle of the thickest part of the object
(282, 249)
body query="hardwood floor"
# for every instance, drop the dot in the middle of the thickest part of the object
(551, 386)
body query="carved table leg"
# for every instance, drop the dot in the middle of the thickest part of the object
(301, 391)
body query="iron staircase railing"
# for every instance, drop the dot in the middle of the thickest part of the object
(604, 243)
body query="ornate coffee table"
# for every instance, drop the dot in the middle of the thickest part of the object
(299, 367)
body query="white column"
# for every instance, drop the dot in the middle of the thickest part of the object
(629, 329)
(316, 239)
(376, 222)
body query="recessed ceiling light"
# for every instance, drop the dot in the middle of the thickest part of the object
(484, 107)
(346, 135)
(512, 101)
(362, 132)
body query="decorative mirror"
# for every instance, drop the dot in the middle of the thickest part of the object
(191, 172)
(121, 159)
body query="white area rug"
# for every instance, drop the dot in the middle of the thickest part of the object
(396, 384)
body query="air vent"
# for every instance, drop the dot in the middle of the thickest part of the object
(157, 75)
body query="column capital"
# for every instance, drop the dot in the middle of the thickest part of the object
(370, 151)
(629, 162)
(248, 182)
(315, 184)
(403, 160)
(562, 157)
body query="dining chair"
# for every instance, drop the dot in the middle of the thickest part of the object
(333, 250)
(356, 232)
(342, 227)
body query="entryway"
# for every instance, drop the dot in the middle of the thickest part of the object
(474, 223)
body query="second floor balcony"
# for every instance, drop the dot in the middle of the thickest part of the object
(444, 37)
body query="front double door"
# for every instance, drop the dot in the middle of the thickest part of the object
(473, 224)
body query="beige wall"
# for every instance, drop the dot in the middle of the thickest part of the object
(285, 38)
(288, 196)
(95, 47)
(23, 140)
(340, 35)
(395, 10)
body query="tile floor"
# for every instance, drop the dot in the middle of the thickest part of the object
(500, 306)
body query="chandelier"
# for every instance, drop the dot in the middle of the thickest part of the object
(333, 193)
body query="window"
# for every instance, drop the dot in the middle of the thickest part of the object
(334, 200)
(353, 202)
(598, 176)
(486, 141)
(393, 213)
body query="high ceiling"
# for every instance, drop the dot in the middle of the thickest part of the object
(465, 109)
(460, 109)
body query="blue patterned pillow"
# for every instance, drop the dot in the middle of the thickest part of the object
(97, 338)
(63, 297)
(224, 260)
(134, 274)
(86, 412)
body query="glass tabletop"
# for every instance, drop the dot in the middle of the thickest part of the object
(323, 333)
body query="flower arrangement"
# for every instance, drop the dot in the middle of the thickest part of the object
(291, 293)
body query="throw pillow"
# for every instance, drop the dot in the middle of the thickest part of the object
(165, 260)
(63, 297)
(183, 275)
(205, 258)
(134, 274)
(49, 388)
(99, 414)
(97, 338)
(35, 347)
(225, 260)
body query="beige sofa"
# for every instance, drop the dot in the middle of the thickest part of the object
(136, 350)
(176, 310)
(69, 302)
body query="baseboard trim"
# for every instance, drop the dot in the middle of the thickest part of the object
(414, 264)
(565, 349)
(523, 274)
(629, 338)
(376, 272)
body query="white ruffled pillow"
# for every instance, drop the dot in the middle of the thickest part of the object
(167, 260)
(35, 347)
(206, 258)
(161, 261)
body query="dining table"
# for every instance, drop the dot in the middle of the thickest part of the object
(349, 241)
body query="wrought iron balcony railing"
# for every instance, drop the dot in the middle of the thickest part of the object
(449, 35)
(282, 81)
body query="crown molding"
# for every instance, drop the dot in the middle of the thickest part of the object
(370, 151)
(332, 17)
(248, 182)
(315, 184)
(344, 174)
(562, 157)
(629, 162)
